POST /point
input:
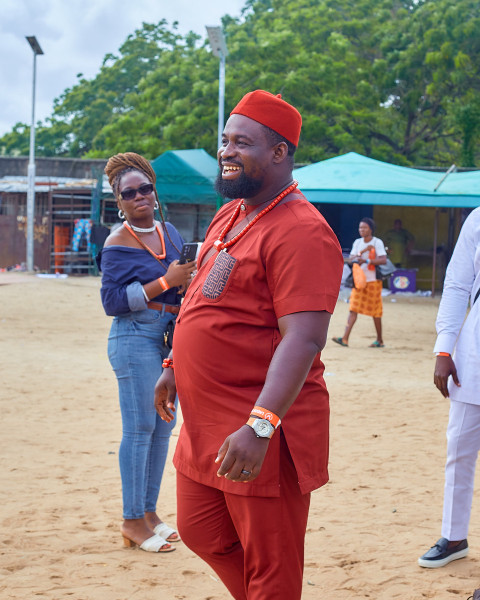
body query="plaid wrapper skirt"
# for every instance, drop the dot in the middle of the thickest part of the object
(369, 300)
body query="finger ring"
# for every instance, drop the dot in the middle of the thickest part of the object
(246, 472)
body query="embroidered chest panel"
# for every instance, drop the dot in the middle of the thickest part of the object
(217, 279)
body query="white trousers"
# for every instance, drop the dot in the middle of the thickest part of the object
(463, 444)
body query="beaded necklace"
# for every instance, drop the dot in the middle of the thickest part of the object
(144, 229)
(158, 257)
(221, 245)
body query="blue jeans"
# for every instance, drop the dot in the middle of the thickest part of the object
(136, 351)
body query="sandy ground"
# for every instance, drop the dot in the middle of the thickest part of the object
(60, 487)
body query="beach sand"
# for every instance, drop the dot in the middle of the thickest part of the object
(60, 493)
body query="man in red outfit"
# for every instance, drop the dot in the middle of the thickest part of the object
(246, 362)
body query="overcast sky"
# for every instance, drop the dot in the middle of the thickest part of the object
(75, 35)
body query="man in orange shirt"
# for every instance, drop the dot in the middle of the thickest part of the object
(246, 362)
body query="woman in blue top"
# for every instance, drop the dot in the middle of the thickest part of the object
(141, 286)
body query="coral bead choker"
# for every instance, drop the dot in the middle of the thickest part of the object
(221, 245)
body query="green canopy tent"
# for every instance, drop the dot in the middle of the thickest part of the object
(186, 177)
(355, 179)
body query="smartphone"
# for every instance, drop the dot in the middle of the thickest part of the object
(189, 252)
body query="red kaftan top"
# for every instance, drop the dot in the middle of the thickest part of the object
(227, 332)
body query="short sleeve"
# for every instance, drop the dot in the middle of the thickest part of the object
(355, 248)
(304, 265)
(380, 247)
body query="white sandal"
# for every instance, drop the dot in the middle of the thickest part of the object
(155, 543)
(165, 531)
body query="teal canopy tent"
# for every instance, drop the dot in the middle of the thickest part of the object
(186, 177)
(355, 179)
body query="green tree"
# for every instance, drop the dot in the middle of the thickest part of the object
(433, 70)
(173, 108)
(393, 79)
(319, 56)
(467, 117)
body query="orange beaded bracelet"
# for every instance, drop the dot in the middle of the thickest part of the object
(167, 363)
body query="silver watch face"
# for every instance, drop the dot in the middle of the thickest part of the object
(263, 428)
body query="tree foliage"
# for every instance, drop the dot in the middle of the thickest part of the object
(396, 80)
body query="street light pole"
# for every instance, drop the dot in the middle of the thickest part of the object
(32, 40)
(219, 49)
(221, 98)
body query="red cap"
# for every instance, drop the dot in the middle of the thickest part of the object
(272, 111)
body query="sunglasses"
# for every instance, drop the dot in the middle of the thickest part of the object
(130, 193)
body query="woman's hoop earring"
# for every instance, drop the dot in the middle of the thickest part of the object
(121, 214)
(156, 206)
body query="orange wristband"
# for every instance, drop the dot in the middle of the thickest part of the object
(167, 363)
(443, 353)
(163, 282)
(263, 413)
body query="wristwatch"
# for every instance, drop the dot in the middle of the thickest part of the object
(261, 427)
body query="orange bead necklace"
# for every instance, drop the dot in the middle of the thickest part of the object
(162, 254)
(219, 244)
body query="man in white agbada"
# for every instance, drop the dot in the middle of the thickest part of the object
(458, 378)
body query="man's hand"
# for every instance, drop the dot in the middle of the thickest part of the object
(303, 336)
(164, 397)
(242, 451)
(444, 367)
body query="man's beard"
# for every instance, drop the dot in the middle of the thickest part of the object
(241, 187)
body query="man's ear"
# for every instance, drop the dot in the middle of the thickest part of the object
(280, 152)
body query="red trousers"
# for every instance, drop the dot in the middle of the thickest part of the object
(255, 545)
